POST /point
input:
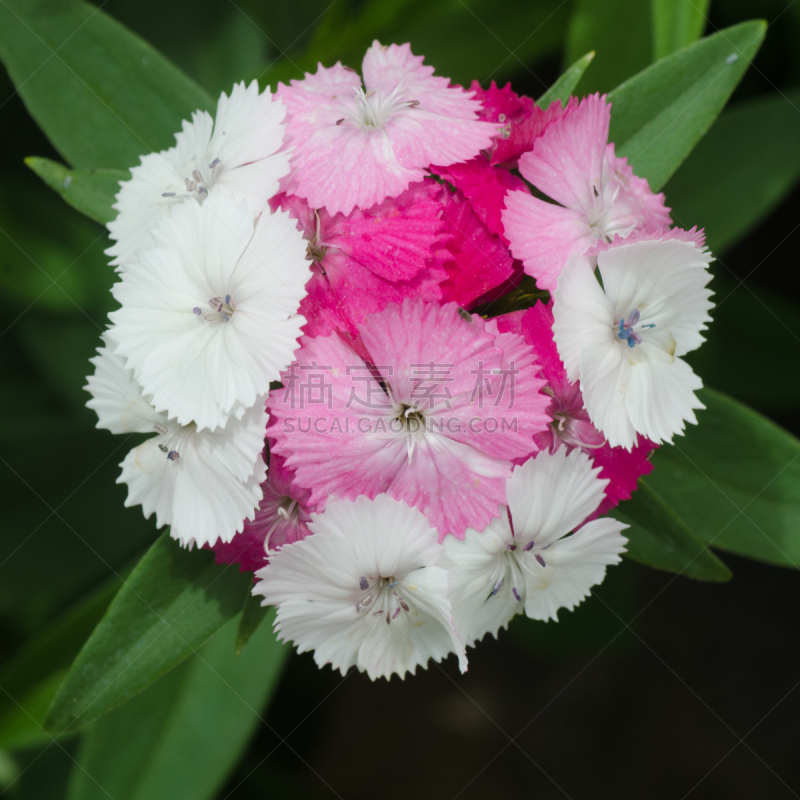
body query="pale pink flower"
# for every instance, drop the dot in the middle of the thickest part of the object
(599, 195)
(356, 145)
(432, 412)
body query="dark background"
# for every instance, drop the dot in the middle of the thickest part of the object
(658, 686)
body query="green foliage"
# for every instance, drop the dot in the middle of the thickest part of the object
(565, 85)
(181, 737)
(727, 202)
(735, 480)
(619, 31)
(485, 41)
(676, 23)
(30, 680)
(659, 115)
(87, 190)
(102, 95)
(659, 538)
(173, 602)
(733, 351)
(253, 614)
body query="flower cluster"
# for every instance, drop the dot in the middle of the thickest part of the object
(307, 283)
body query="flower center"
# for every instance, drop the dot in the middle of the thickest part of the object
(197, 183)
(288, 511)
(374, 108)
(606, 217)
(412, 425)
(379, 594)
(626, 329)
(221, 310)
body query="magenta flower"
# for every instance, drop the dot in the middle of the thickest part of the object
(281, 518)
(521, 121)
(432, 413)
(599, 195)
(368, 259)
(571, 426)
(355, 145)
(476, 261)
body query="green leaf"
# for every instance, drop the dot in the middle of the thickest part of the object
(90, 191)
(173, 602)
(101, 94)
(485, 40)
(762, 138)
(562, 88)
(731, 349)
(676, 23)
(659, 115)
(30, 679)
(659, 538)
(253, 614)
(735, 480)
(21, 727)
(182, 736)
(619, 32)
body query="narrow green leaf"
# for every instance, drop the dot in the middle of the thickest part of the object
(735, 480)
(676, 23)
(731, 350)
(90, 191)
(659, 115)
(762, 138)
(182, 736)
(618, 31)
(101, 94)
(659, 538)
(253, 614)
(172, 603)
(563, 87)
(30, 679)
(21, 727)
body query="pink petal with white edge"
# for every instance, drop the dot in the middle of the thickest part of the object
(456, 486)
(567, 160)
(544, 235)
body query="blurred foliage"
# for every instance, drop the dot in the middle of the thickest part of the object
(66, 536)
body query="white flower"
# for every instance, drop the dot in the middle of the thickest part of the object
(237, 155)
(208, 314)
(203, 484)
(525, 561)
(624, 339)
(363, 590)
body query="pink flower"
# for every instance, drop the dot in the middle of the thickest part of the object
(368, 259)
(571, 426)
(600, 196)
(521, 121)
(280, 519)
(432, 416)
(476, 260)
(355, 146)
(484, 186)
